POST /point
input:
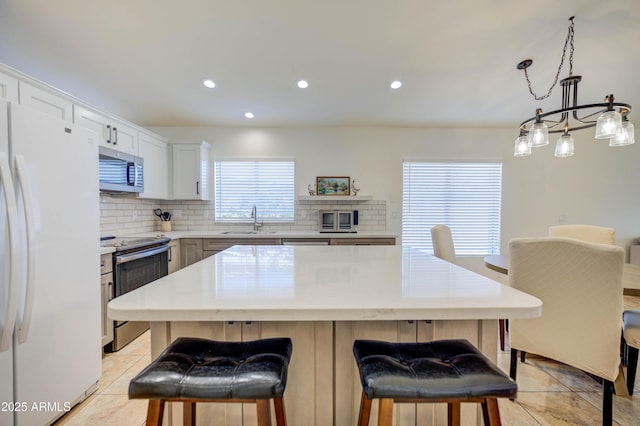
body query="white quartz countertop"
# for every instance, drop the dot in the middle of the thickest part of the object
(269, 234)
(316, 283)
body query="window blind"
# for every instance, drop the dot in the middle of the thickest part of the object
(269, 185)
(464, 196)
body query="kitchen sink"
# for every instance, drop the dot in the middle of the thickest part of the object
(247, 232)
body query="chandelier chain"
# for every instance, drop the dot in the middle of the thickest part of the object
(567, 42)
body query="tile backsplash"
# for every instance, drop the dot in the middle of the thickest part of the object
(124, 215)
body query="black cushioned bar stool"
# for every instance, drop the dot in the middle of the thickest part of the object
(192, 370)
(451, 371)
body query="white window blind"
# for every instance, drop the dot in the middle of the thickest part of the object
(464, 196)
(269, 185)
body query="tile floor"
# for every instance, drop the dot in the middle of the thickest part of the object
(549, 393)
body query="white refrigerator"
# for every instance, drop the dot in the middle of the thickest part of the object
(50, 337)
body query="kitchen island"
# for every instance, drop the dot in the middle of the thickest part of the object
(324, 297)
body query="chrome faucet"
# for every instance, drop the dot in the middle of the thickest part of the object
(254, 216)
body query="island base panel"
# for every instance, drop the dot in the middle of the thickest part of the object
(323, 387)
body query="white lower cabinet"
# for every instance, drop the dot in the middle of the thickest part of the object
(155, 153)
(106, 292)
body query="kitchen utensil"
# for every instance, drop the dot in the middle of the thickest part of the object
(158, 213)
(166, 216)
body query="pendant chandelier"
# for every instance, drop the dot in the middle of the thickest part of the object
(610, 118)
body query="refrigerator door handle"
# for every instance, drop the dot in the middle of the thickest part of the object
(23, 181)
(6, 183)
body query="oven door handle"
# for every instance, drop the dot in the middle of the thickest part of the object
(124, 258)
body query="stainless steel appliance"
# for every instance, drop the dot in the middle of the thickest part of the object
(120, 172)
(338, 220)
(136, 262)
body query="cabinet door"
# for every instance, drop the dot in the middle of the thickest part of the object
(8, 88)
(190, 172)
(106, 290)
(46, 102)
(125, 137)
(94, 121)
(363, 241)
(155, 153)
(174, 256)
(190, 251)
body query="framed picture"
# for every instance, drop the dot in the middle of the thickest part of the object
(333, 185)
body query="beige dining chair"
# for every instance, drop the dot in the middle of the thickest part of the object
(444, 248)
(580, 285)
(443, 243)
(591, 233)
(631, 340)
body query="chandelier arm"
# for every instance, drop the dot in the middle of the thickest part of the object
(546, 116)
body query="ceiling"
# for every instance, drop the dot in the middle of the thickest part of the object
(145, 60)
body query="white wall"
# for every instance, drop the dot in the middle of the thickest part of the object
(597, 186)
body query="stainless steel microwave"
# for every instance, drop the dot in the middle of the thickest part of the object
(120, 172)
(338, 220)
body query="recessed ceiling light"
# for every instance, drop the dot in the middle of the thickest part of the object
(249, 114)
(209, 83)
(396, 84)
(303, 84)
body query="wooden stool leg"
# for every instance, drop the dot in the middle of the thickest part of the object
(155, 412)
(632, 367)
(188, 413)
(264, 412)
(491, 412)
(501, 330)
(385, 412)
(453, 413)
(281, 418)
(365, 410)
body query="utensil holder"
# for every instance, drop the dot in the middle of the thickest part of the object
(165, 226)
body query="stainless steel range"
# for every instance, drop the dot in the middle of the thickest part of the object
(136, 262)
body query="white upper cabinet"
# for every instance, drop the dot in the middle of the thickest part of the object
(8, 88)
(115, 134)
(46, 102)
(155, 153)
(191, 171)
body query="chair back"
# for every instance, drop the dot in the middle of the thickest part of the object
(580, 285)
(443, 243)
(591, 233)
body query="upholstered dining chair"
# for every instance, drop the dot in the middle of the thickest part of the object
(591, 233)
(580, 285)
(443, 243)
(444, 248)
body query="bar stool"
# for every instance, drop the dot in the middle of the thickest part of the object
(192, 370)
(451, 371)
(631, 333)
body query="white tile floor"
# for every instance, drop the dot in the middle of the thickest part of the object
(549, 393)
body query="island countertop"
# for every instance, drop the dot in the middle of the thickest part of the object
(319, 283)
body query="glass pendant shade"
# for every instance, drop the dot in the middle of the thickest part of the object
(608, 124)
(538, 134)
(564, 146)
(625, 136)
(522, 147)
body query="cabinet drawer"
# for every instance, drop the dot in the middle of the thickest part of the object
(106, 263)
(363, 241)
(219, 244)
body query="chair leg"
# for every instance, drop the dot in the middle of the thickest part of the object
(513, 365)
(365, 410)
(491, 412)
(523, 355)
(632, 367)
(501, 330)
(155, 411)
(281, 417)
(189, 414)
(607, 402)
(385, 412)
(264, 412)
(453, 414)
